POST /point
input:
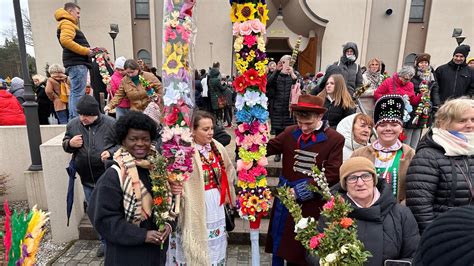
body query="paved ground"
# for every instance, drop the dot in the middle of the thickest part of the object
(82, 252)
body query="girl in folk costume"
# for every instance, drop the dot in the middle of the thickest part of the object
(201, 237)
(338, 101)
(390, 156)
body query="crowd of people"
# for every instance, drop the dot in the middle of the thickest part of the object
(398, 148)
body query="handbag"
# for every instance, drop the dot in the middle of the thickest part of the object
(221, 102)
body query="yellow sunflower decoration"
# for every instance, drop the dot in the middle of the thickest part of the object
(262, 12)
(233, 13)
(246, 11)
(172, 64)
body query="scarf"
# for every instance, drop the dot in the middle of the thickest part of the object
(425, 75)
(137, 201)
(374, 78)
(454, 143)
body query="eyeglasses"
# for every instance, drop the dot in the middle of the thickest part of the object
(353, 178)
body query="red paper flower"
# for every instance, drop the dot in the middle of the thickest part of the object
(158, 201)
(172, 117)
(251, 76)
(240, 84)
(346, 222)
(262, 85)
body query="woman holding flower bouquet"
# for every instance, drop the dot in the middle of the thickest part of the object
(201, 237)
(137, 86)
(387, 229)
(121, 204)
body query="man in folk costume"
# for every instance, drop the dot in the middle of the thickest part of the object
(309, 142)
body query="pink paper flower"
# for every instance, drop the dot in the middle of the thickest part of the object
(262, 161)
(250, 40)
(245, 28)
(257, 26)
(170, 34)
(236, 28)
(243, 165)
(329, 205)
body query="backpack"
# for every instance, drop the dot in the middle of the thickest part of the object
(64, 92)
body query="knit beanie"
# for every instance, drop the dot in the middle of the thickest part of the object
(17, 83)
(470, 59)
(449, 239)
(355, 164)
(87, 105)
(120, 62)
(462, 49)
(422, 57)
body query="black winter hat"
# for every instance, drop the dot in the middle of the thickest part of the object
(449, 239)
(87, 105)
(463, 49)
(422, 57)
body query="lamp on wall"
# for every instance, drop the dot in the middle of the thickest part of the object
(457, 33)
(114, 30)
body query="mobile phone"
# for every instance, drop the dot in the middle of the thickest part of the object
(397, 263)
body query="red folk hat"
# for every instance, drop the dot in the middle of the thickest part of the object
(309, 103)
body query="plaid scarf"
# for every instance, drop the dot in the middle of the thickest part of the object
(137, 201)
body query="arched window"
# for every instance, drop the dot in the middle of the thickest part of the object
(145, 56)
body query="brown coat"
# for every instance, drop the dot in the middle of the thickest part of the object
(408, 154)
(53, 89)
(136, 94)
(330, 154)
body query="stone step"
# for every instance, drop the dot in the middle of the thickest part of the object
(86, 230)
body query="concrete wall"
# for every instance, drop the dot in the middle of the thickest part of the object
(346, 23)
(446, 15)
(55, 160)
(213, 25)
(386, 32)
(96, 17)
(15, 156)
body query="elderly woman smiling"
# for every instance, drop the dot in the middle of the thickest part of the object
(441, 175)
(387, 229)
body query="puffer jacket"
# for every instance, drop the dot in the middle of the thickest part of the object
(17, 88)
(350, 69)
(215, 88)
(280, 88)
(435, 182)
(53, 90)
(136, 94)
(387, 229)
(394, 85)
(115, 81)
(11, 112)
(335, 113)
(73, 41)
(454, 81)
(97, 137)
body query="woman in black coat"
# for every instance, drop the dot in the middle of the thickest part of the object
(387, 229)
(441, 175)
(45, 106)
(132, 237)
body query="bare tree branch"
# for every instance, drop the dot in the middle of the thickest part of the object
(11, 33)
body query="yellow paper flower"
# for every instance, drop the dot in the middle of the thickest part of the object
(172, 64)
(241, 65)
(262, 12)
(239, 43)
(242, 184)
(233, 13)
(155, 188)
(262, 182)
(253, 201)
(261, 67)
(168, 49)
(261, 44)
(246, 11)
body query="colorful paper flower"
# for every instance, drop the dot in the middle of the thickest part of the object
(246, 11)
(251, 77)
(240, 83)
(250, 40)
(262, 11)
(172, 64)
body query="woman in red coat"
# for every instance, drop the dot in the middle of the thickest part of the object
(11, 112)
(399, 84)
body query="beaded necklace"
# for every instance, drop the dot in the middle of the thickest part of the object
(390, 172)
